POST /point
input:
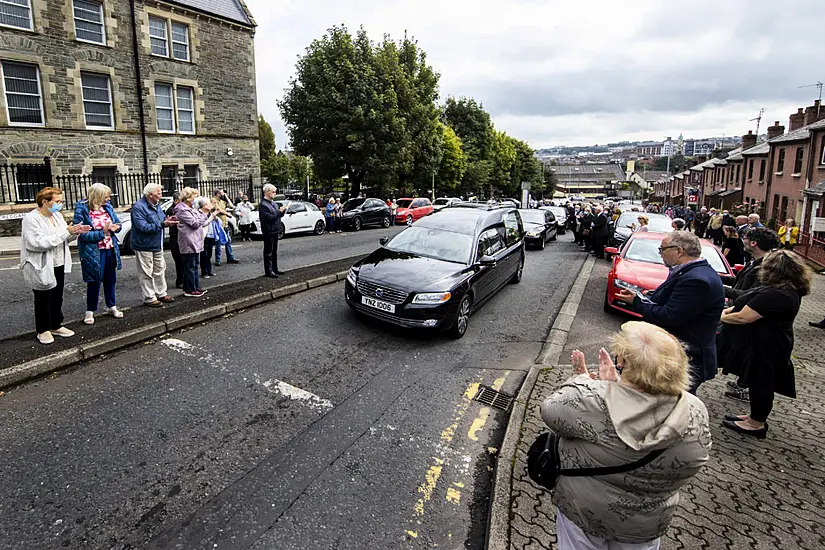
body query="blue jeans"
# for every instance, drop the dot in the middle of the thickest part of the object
(107, 260)
(191, 281)
(229, 255)
(206, 256)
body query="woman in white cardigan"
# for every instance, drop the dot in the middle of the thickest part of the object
(45, 259)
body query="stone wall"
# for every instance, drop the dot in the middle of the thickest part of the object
(221, 72)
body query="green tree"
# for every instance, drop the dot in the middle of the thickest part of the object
(453, 162)
(473, 126)
(266, 138)
(477, 178)
(526, 167)
(503, 156)
(361, 110)
(276, 169)
(299, 169)
(678, 163)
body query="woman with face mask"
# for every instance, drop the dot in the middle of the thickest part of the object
(45, 259)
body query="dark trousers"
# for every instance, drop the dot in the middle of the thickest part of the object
(761, 405)
(48, 305)
(206, 256)
(598, 245)
(109, 263)
(270, 254)
(246, 231)
(330, 224)
(175, 249)
(191, 281)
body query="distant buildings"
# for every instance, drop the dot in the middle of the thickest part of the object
(588, 180)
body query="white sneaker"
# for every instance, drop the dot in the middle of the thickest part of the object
(115, 312)
(89, 319)
(45, 338)
(64, 332)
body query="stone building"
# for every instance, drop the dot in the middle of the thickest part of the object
(104, 87)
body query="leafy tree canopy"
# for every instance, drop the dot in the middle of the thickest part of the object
(266, 138)
(453, 162)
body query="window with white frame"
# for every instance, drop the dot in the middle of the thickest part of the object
(160, 32)
(180, 41)
(24, 102)
(165, 108)
(16, 13)
(186, 109)
(175, 103)
(158, 36)
(97, 100)
(88, 21)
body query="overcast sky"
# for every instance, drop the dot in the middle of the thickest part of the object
(577, 72)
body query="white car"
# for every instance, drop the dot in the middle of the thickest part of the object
(300, 217)
(561, 216)
(124, 236)
(444, 202)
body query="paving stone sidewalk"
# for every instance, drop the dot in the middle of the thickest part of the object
(766, 494)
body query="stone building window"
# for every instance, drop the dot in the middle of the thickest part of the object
(159, 32)
(16, 13)
(97, 101)
(88, 21)
(175, 103)
(24, 102)
(157, 36)
(750, 170)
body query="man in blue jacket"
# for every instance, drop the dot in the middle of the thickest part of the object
(270, 218)
(148, 223)
(688, 304)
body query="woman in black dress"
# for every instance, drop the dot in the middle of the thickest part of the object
(733, 249)
(759, 338)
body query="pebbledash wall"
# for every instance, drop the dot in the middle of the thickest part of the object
(219, 74)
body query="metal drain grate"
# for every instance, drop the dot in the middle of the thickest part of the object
(492, 398)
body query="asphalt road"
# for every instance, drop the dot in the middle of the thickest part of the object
(292, 425)
(17, 315)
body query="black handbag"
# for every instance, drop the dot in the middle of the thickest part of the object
(544, 464)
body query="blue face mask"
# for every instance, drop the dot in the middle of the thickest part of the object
(56, 207)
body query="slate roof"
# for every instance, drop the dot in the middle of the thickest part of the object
(227, 9)
(797, 135)
(759, 149)
(606, 171)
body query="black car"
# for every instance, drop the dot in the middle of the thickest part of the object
(357, 213)
(540, 226)
(436, 272)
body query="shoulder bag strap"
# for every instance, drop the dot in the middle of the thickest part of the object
(608, 470)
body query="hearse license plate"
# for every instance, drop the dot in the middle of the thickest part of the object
(378, 304)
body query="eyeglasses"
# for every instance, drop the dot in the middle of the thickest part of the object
(663, 248)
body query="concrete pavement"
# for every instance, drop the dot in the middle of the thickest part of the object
(752, 494)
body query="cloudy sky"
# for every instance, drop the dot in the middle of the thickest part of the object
(557, 72)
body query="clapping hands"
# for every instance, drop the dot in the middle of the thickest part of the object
(607, 370)
(78, 229)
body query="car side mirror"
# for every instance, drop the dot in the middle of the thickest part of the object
(487, 260)
(384, 240)
(612, 250)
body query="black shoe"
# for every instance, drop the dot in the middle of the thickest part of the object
(742, 394)
(820, 324)
(759, 434)
(232, 261)
(732, 384)
(270, 275)
(278, 272)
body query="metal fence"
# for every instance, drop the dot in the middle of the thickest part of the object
(19, 183)
(813, 249)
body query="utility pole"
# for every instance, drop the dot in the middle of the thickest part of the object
(817, 85)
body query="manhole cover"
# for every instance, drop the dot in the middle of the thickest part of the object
(492, 398)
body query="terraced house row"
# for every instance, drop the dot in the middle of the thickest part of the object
(782, 177)
(104, 87)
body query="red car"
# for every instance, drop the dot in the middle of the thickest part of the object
(410, 210)
(639, 266)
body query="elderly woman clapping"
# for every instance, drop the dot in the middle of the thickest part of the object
(45, 259)
(606, 419)
(99, 250)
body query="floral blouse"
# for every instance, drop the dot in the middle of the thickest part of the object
(99, 219)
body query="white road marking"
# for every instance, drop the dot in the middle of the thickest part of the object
(274, 385)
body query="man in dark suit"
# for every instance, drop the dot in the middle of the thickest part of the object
(599, 232)
(688, 304)
(270, 218)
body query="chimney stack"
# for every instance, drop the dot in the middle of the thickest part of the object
(814, 113)
(775, 131)
(796, 120)
(748, 140)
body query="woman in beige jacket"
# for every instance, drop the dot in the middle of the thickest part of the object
(607, 420)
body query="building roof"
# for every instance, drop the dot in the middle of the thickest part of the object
(614, 171)
(818, 125)
(817, 190)
(799, 134)
(233, 10)
(759, 149)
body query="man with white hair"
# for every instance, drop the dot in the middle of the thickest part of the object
(270, 218)
(700, 222)
(753, 221)
(148, 223)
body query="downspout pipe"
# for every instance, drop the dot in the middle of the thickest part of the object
(139, 88)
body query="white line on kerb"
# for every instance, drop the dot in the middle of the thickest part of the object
(274, 385)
